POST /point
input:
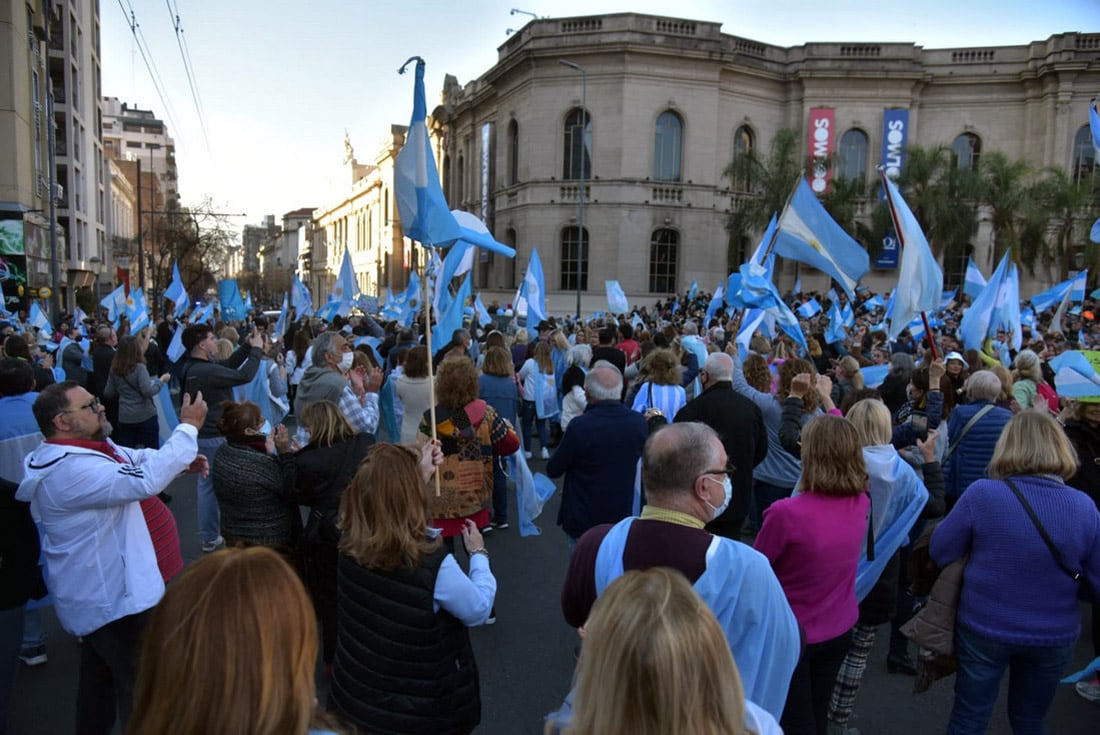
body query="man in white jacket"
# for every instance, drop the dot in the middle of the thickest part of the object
(101, 567)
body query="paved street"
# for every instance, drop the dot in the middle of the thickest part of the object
(526, 659)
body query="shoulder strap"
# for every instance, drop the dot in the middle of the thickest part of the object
(649, 398)
(1042, 531)
(965, 429)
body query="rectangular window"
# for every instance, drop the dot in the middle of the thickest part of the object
(570, 245)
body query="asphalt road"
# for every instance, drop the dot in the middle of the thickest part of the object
(526, 658)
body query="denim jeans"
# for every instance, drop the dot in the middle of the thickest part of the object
(529, 416)
(108, 673)
(33, 632)
(209, 517)
(1033, 673)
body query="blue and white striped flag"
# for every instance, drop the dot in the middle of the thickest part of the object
(809, 309)
(974, 281)
(37, 318)
(137, 311)
(616, 298)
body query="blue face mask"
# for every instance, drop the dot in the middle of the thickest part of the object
(727, 487)
(266, 428)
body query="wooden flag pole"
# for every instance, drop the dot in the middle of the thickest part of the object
(428, 344)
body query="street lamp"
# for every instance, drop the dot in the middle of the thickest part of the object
(580, 198)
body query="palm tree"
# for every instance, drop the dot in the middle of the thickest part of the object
(762, 185)
(1005, 191)
(1071, 205)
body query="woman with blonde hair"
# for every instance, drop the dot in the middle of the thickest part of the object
(848, 378)
(404, 662)
(814, 541)
(659, 384)
(231, 648)
(540, 397)
(656, 662)
(1027, 376)
(1018, 609)
(324, 467)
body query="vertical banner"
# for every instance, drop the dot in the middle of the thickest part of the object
(895, 135)
(13, 262)
(820, 146)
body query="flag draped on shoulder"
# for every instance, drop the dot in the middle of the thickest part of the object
(425, 216)
(808, 234)
(920, 280)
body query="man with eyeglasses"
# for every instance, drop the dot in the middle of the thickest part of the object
(685, 474)
(101, 567)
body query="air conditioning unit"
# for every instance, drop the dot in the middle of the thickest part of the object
(58, 193)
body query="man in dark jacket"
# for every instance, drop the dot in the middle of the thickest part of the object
(973, 436)
(72, 358)
(216, 380)
(599, 455)
(740, 425)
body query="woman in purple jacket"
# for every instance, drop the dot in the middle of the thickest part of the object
(1019, 603)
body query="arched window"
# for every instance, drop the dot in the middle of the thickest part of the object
(743, 141)
(571, 265)
(668, 137)
(852, 163)
(578, 146)
(1084, 155)
(513, 152)
(663, 248)
(966, 150)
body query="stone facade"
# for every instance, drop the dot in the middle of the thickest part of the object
(505, 135)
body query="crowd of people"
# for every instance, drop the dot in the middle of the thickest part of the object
(741, 517)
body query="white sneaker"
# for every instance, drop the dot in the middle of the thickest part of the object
(545, 454)
(1090, 690)
(208, 546)
(528, 455)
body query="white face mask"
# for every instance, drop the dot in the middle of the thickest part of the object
(727, 487)
(345, 362)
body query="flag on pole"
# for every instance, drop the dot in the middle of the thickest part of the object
(176, 293)
(535, 289)
(809, 235)
(175, 347)
(300, 298)
(978, 319)
(137, 311)
(693, 289)
(947, 297)
(37, 319)
(920, 280)
(229, 298)
(345, 289)
(616, 298)
(425, 216)
(797, 288)
(758, 254)
(835, 331)
(809, 309)
(450, 320)
(247, 302)
(78, 316)
(203, 314)
(280, 325)
(115, 304)
(974, 281)
(482, 313)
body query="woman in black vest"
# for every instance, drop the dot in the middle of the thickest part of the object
(404, 663)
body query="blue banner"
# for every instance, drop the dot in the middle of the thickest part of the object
(895, 134)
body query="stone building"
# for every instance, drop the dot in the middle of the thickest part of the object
(670, 102)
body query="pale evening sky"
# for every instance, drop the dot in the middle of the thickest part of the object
(280, 80)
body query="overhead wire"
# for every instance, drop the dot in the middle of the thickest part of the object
(142, 46)
(185, 55)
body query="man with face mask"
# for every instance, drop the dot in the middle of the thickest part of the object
(740, 426)
(331, 378)
(685, 473)
(216, 380)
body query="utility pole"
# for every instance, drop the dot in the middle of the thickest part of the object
(51, 158)
(141, 249)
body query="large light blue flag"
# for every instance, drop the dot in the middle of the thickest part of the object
(750, 322)
(616, 298)
(345, 289)
(115, 304)
(1075, 375)
(175, 347)
(483, 316)
(974, 281)
(300, 298)
(1006, 312)
(732, 295)
(765, 241)
(176, 293)
(873, 375)
(474, 232)
(920, 280)
(451, 319)
(331, 310)
(808, 234)
(849, 314)
(203, 314)
(1053, 295)
(809, 309)
(280, 324)
(37, 318)
(137, 311)
(1077, 289)
(835, 331)
(758, 291)
(425, 216)
(230, 301)
(978, 320)
(535, 290)
(247, 302)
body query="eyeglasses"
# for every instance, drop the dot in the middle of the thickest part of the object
(92, 404)
(728, 470)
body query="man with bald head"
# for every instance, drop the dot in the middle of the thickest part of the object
(599, 455)
(740, 425)
(686, 482)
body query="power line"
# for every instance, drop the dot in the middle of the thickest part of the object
(185, 55)
(139, 40)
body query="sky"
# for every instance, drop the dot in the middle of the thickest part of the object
(278, 82)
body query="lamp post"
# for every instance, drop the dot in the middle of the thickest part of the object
(584, 156)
